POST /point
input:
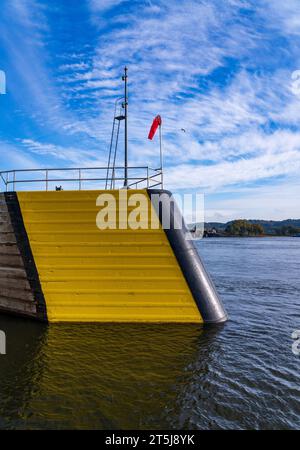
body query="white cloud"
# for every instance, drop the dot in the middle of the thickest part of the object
(283, 15)
(205, 66)
(12, 157)
(31, 83)
(215, 177)
(73, 67)
(74, 156)
(103, 5)
(278, 202)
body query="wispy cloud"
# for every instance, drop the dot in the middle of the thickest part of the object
(270, 202)
(17, 158)
(27, 75)
(73, 155)
(103, 5)
(284, 16)
(220, 70)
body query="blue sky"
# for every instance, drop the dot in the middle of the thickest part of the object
(220, 70)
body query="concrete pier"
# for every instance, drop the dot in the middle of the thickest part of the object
(56, 265)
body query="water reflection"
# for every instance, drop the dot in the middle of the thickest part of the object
(242, 376)
(20, 368)
(98, 376)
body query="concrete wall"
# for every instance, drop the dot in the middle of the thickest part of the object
(16, 295)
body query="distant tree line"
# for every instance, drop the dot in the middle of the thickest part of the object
(244, 228)
(241, 227)
(287, 230)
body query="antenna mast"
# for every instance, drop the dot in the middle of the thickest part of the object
(125, 106)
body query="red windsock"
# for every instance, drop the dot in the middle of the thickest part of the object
(156, 123)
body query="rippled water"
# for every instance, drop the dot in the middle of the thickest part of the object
(240, 375)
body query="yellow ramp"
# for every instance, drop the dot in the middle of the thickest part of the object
(92, 275)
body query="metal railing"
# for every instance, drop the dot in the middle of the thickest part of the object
(81, 178)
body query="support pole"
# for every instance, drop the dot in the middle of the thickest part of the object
(161, 155)
(125, 77)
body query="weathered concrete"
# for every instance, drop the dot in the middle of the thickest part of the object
(10, 305)
(7, 238)
(5, 226)
(9, 249)
(16, 296)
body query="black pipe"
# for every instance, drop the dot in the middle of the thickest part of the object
(201, 285)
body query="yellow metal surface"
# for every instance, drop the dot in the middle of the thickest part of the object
(92, 275)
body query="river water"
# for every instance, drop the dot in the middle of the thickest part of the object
(241, 375)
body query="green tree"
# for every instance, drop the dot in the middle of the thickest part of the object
(244, 228)
(287, 230)
(257, 229)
